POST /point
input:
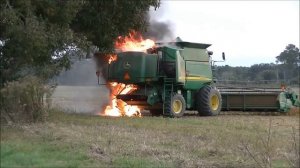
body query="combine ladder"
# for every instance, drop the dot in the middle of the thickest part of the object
(168, 90)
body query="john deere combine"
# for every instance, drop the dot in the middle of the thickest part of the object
(175, 77)
(170, 78)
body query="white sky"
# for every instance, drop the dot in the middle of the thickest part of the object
(249, 32)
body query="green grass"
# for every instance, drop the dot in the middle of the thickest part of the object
(21, 149)
(73, 140)
(28, 154)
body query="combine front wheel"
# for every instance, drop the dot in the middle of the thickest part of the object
(176, 106)
(209, 101)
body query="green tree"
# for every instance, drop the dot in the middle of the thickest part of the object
(267, 75)
(37, 36)
(262, 68)
(290, 56)
(102, 21)
(290, 62)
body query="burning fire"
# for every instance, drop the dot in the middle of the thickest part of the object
(118, 107)
(133, 42)
(111, 58)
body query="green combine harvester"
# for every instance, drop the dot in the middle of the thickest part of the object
(172, 78)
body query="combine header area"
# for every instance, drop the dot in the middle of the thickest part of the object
(259, 99)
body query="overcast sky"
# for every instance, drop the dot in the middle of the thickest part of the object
(249, 32)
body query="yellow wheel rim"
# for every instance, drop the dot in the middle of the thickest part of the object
(177, 106)
(214, 102)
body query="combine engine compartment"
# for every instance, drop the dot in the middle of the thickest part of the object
(133, 67)
(141, 70)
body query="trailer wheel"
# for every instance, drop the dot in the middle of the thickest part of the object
(176, 106)
(209, 101)
(156, 112)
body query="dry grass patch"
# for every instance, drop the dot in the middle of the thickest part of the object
(162, 142)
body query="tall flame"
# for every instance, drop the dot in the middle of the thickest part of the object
(133, 42)
(118, 107)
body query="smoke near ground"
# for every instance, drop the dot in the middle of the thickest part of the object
(78, 90)
(81, 73)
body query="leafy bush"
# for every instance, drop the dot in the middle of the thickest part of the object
(23, 100)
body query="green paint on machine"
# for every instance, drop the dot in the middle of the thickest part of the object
(133, 67)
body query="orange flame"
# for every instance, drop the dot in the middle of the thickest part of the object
(134, 42)
(118, 107)
(111, 58)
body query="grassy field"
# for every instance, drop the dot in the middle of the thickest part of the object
(76, 140)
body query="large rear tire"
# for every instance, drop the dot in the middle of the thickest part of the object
(209, 101)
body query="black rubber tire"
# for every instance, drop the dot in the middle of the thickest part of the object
(156, 112)
(203, 101)
(175, 97)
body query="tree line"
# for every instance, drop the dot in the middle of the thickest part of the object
(285, 71)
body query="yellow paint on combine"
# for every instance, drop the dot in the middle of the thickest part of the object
(201, 78)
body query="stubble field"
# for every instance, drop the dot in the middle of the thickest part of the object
(86, 140)
(77, 140)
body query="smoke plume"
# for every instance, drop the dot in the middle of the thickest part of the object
(159, 30)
